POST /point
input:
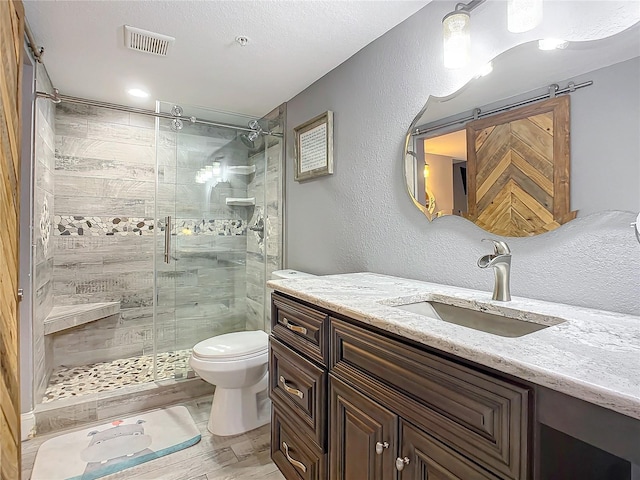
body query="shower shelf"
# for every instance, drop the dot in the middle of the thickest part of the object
(241, 202)
(241, 169)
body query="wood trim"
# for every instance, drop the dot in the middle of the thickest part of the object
(11, 44)
(546, 203)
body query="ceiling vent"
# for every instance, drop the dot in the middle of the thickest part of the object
(145, 41)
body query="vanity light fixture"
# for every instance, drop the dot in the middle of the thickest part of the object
(457, 34)
(552, 44)
(426, 170)
(523, 15)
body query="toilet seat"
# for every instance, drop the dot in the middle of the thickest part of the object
(232, 347)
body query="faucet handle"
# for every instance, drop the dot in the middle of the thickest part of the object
(499, 247)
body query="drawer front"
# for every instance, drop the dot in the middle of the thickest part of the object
(300, 327)
(481, 416)
(296, 458)
(428, 459)
(299, 387)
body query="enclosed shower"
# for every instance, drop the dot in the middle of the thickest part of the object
(151, 233)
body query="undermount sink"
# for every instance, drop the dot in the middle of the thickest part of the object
(483, 321)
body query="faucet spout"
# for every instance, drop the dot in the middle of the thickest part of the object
(500, 260)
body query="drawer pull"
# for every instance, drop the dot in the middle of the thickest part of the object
(290, 390)
(294, 328)
(381, 446)
(401, 463)
(293, 462)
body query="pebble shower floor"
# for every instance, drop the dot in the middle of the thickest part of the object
(69, 382)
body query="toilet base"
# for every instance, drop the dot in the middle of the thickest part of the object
(238, 410)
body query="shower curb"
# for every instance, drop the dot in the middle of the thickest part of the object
(72, 412)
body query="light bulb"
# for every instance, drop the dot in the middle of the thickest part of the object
(457, 39)
(552, 44)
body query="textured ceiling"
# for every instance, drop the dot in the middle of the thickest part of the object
(292, 44)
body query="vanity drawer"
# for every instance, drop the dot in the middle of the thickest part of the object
(299, 387)
(300, 327)
(296, 458)
(484, 417)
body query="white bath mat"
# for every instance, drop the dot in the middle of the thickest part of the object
(98, 451)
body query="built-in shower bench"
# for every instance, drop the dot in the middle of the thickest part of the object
(64, 317)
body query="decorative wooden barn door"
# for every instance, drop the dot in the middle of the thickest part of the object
(11, 48)
(518, 169)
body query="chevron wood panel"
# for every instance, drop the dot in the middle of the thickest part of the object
(518, 169)
(11, 44)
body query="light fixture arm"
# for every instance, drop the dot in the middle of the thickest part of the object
(468, 7)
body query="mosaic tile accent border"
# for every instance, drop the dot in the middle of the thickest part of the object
(45, 226)
(68, 382)
(78, 225)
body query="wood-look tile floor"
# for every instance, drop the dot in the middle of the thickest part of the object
(239, 457)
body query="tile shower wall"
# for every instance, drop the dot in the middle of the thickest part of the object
(44, 204)
(104, 175)
(104, 234)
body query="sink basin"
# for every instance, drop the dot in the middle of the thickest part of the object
(483, 321)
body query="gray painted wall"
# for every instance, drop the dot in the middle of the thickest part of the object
(361, 218)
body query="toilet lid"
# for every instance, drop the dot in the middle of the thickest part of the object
(233, 345)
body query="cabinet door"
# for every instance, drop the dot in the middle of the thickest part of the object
(363, 436)
(424, 458)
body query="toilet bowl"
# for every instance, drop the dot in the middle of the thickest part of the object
(236, 363)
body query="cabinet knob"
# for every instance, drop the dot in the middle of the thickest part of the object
(381, 446)
(401, 462)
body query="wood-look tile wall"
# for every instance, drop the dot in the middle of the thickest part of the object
(105, 169)
(11, 51)
(44, 201)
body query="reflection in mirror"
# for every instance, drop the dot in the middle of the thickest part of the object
(601, 78)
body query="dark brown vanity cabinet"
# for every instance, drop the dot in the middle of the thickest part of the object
(298, 351)
(350, 403)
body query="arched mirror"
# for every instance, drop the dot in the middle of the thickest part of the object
(537, 137)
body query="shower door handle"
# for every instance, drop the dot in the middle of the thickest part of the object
(167, 239)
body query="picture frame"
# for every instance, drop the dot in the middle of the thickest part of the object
(314, 147)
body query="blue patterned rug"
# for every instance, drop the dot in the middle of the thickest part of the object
(98, 451)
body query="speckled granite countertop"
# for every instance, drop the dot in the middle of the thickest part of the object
(593, 355)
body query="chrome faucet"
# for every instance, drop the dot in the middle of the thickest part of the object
(500, 260)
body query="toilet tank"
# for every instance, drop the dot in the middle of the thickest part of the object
(282, 274)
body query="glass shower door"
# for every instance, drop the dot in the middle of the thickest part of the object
(167, 362)
(203, 178)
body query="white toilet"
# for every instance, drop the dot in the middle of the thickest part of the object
(237, 364)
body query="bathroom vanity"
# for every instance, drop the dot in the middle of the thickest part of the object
(367, 383)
